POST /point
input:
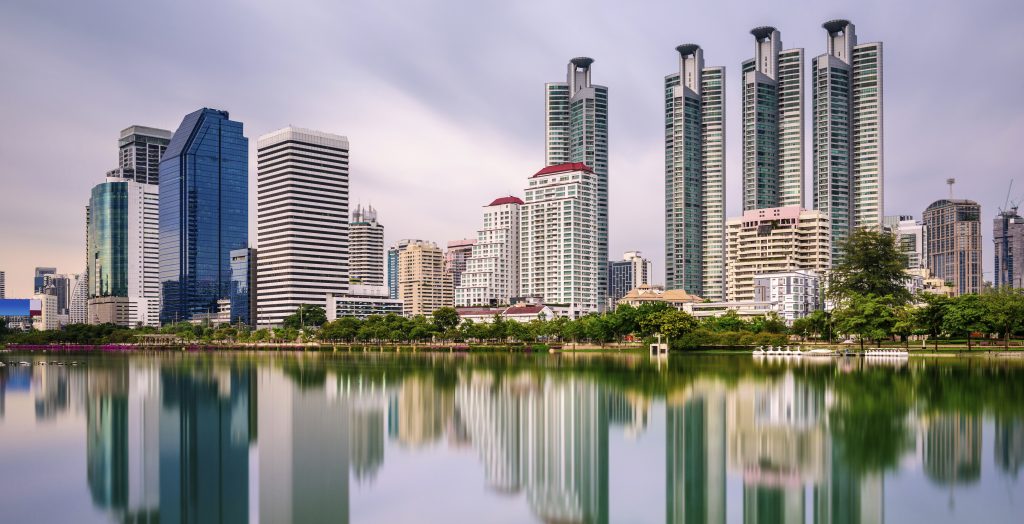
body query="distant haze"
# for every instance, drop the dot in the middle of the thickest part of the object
(443, 103)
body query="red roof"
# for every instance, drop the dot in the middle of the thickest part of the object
(561, 168)
(505, 200)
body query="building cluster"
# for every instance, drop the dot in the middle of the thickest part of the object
(167, 235)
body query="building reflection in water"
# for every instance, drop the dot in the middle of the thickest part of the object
(695, 454)
(542, 436)
(1009, 445)
(167, 443)
(952, 448)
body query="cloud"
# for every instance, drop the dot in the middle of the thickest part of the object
(442, 102)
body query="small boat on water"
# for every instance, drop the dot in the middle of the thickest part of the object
(886, 353)
(777, 351)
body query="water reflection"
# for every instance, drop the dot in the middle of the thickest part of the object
(303, 439)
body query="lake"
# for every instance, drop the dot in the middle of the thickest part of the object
(594, 438)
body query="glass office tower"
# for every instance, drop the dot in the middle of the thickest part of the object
(204, 210)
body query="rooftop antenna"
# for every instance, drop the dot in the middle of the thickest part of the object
(950, 182)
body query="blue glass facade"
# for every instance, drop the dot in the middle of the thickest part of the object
(243, 286)
(108, 240)
(204, 212)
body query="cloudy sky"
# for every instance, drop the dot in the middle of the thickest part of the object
(443, 103)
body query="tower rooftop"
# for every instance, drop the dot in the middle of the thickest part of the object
(762, 32)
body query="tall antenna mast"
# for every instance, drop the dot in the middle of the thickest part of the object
(950, 182)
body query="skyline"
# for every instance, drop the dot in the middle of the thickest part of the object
(434, 107)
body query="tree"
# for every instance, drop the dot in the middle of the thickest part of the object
(965, 315)
(904, 324)
(871, 265)
(344, 328)
(868, 316)
(306, 315)
(675, 324)
(1004, 309)
(445, 319)
(770, 323)
(931, 317)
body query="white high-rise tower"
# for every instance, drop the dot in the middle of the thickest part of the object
(576, 130)
(301, 222)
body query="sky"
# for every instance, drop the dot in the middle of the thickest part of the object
(442, 101)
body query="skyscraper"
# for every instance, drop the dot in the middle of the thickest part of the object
(576, 131)
(123, 254)
(204, 212)
(695, 176)
(953, 233)
(302, 221)
(393, 253)
(140, 149)
(847, 142)
(558, 255)
(773, 123)
(78, 303)
(1008, 236)
(492, 271)
(366, 247)
(3, 285)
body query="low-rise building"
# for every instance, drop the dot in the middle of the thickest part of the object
(362, 301)
(646, 293)
(795, 293)
(522, 313)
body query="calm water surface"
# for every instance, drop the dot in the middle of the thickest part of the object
(452, 439)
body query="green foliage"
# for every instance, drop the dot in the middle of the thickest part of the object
(306, 315)
(871, 265)
(964, 316)
(1004, 311)
(445, 318)
(868, 316)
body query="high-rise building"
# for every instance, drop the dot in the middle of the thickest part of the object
(847, 126)
(953, 243)
(302, 221)
(775, 240)
(140, 149)
(243, 286)
(123, 269)
(366, 248)
(39, 281)
(910, 238)
(423, 284)
(393, 253)
(1008, 236)
(47, 319)
(627, 274)
(59, 286)
(204, 212)
(576, 131)
(558, 254)
(773, 124)
(3, 285)
(78, 305)
(695, 176)
(456, 256)
(492, 270)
